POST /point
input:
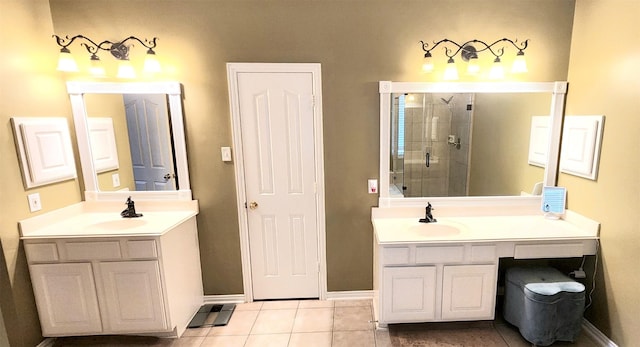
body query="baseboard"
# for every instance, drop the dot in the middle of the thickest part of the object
(224, 299)
(239, 298)
(48, 342)
(350, 295)
(596, 335)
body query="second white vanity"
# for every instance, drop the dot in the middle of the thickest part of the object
(447, 271)
(94, 272)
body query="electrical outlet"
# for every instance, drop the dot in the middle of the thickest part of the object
(34, 202)
(226, 153)
(373, 186)
(579, 274)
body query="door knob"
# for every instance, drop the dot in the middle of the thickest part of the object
(168, 176)
(253, 205)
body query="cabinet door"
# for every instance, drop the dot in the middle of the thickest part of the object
(409, 294)
(468, 292)
(133, 296)
(66, 299)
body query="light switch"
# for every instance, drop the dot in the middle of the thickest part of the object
(373, 186)
(116, 180)
(226, 153)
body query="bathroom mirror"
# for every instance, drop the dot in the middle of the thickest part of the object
(165, 147)
(463, 139)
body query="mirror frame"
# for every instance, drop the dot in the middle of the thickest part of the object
(173, 90)
(558, 91)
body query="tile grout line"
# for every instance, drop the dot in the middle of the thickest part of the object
(293, 324)
(253, 325)
(333, 322)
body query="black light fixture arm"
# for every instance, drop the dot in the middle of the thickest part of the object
(450, 53)
(66, 41)
(118, 49)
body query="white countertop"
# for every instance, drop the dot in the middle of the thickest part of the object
(104, 220)
(390, 229)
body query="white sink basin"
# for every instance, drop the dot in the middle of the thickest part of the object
(436, 229)
(118, 224)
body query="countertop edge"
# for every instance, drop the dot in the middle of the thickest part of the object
(488, 240)
(579, 228)
(29, 227)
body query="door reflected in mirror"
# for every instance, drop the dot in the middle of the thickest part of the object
(143, 144)
(463, 144)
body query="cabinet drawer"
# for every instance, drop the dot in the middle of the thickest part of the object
(439, 254)
(41, 252)
(100, 250)
(395, 255)
(484, 253)
(554, 250)
(142, 249)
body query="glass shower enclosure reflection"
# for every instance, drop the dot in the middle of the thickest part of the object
(430, 144)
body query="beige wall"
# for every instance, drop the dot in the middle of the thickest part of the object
(29, 86)
(502, 125)
(604, 76)
(4, 339)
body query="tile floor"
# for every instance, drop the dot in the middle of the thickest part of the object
(295, 323)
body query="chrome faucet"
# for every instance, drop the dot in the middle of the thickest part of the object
(130, 211)
(428, 217)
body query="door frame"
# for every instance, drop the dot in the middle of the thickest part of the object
(233, 69)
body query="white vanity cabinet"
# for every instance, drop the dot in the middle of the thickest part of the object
(447, 271)
(434, 282)
(117, 285)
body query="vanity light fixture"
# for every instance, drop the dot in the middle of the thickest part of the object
(469, 53)
(119, 50)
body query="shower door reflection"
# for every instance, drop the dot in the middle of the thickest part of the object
(431, 136)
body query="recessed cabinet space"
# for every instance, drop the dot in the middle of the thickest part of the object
(117, 285)
(419, 283)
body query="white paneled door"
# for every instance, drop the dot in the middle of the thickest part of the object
(150, 141)
(277, 129)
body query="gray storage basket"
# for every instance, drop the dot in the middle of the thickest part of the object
(544, 304)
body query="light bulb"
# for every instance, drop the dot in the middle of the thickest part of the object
(451, 71)
(125, 70)
(497, 71)
(151, 63)
(473, 68)
(519, 64)
(427, 66)
(95, 68)
(66, 62)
